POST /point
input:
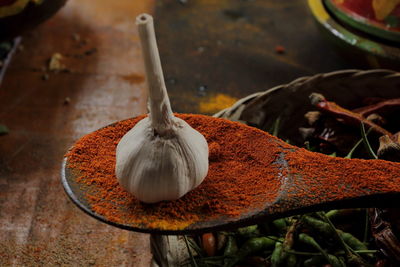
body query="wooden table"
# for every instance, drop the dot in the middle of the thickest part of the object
(102, 82)
(217, 51)
(213, 53)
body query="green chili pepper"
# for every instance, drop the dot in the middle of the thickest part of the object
(291, 260)
(353, 242)
(252, 246)
(257, 244)
(342, 261)
(276, 256)
(332, 213)
(335, 261)
(230, 247)
(306, 239)
(351, 256)
(336, 214)
(248, 231)
(318, 225)
(280, 225)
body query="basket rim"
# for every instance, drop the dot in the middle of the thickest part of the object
(357, 73)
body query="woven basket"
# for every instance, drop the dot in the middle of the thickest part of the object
(290, 102)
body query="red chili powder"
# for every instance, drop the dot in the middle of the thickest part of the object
(239, 157)
(243, 176)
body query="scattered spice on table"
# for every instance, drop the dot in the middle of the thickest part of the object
(55, 63)
(215, 103)
(280, 49)
(67, 101)
(243, 175)
(4, 130)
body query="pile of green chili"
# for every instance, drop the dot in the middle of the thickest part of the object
(332, 238)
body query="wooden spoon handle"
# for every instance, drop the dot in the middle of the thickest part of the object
(313, 179)
(160, 107)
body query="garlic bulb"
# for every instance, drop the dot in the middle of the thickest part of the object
(161, 157)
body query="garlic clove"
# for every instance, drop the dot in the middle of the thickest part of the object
(389, 148)
(155, 168)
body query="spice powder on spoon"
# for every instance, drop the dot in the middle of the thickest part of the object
(237, 161)
(244, 176)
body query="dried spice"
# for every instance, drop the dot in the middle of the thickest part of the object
(381, 107)
(239, 157)
(346, 116)
(243, 175)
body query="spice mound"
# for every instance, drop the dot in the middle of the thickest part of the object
(242, 176)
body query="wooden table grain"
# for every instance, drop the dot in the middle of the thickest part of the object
(213, 53)
(99, 80)
(216, 52)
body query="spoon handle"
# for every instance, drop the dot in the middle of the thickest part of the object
(313, 180)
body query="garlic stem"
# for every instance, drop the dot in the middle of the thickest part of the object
(160, 108)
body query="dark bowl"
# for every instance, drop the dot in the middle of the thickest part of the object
(30, 17)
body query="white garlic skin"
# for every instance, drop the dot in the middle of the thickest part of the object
(155, 168)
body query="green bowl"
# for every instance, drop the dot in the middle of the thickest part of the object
(364, 24)
(356, 46)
